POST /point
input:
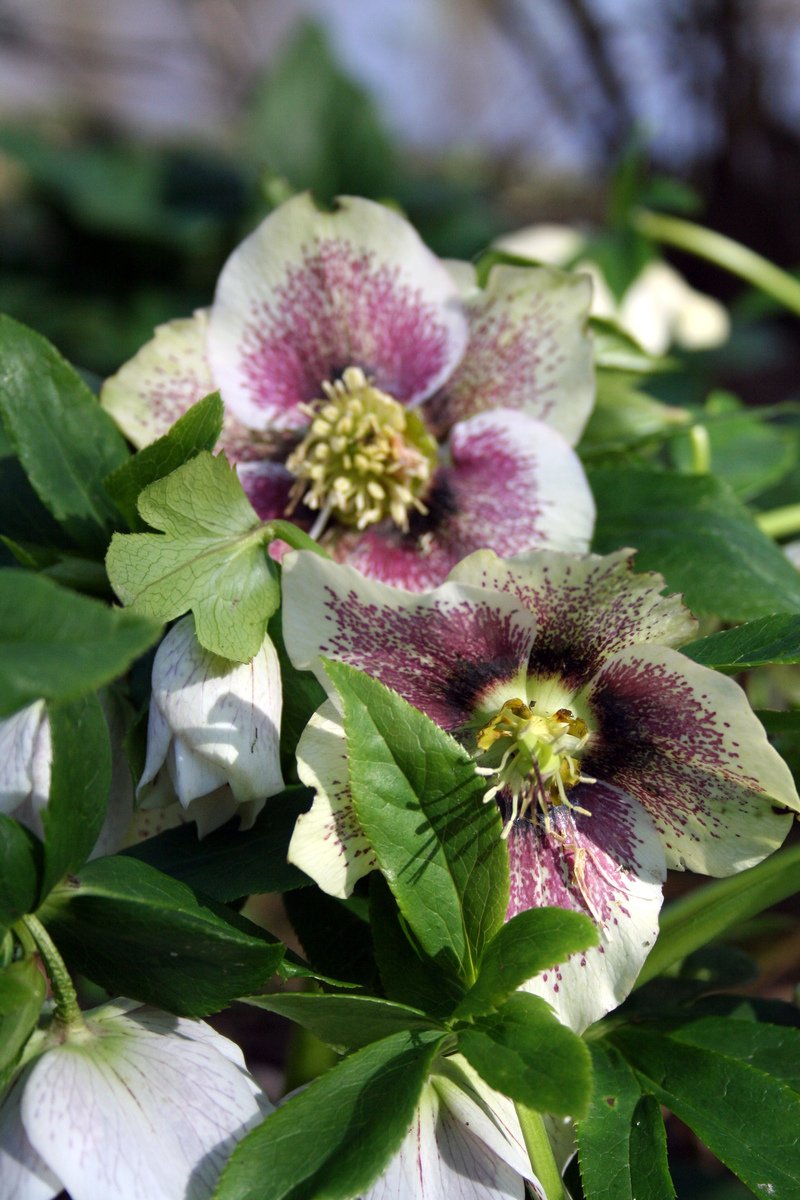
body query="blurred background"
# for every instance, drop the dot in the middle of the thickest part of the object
(139, 143)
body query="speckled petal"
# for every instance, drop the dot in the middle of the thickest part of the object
(310, 293)
(586, 607)
(23, 1174)
(166, 377)
(528, 349)
(514, 484)
(267, 485)
(441, 651)
(328, 842)
(608, 866)
(683, 740)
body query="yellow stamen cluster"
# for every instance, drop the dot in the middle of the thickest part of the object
(536, 758)
(364, 457)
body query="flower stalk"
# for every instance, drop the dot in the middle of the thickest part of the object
(67, 1009)
(723, 251)
(540, 1152)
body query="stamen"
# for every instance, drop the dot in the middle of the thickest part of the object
(365, 458)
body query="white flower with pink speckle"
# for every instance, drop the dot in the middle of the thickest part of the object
(610, 755)
(381, 398)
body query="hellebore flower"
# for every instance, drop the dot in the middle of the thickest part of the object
(135, 1104)
(378, 396)
(213, 732)
(608, 752)
(26, 758)
(658, 309)
(465, 1143)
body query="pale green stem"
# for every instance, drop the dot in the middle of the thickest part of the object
(67, 1009)
(723, 251)
(701, 449)
(780, 522)
(540, 1152)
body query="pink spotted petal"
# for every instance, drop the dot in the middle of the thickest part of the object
(683, 740)
(528, 349)
(328, 842)
(608, 866)
(587, 608)
(166, 377)
(310, 293)
(514, 484)
(441, 651)
(267, 485)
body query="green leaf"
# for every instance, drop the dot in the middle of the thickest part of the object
(774, 1049)
(524, 1051)
(317, 128)
(65, 441)
(198, 429)
(624, 416)
(302, 696)
(419, 802)
(650, 1177)
(747, 1118)
(346, 1022)
(210, 557)
(770, 640)
(694, 531)
(230, 863)
(705, 913)
(529, 943)
(746, 452)
(72, 570)
(57, 645)
(604, 1134)
(408, 975)
(334, 934)
(616, 350)
(22, 993)
(80, 780)
(20, 870)
(139, 933)
(332, 1140)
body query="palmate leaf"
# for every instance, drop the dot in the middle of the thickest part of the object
(210, 558)
(419, 802)
(346, 1022)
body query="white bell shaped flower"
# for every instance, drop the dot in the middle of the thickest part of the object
(214, 731)
(26, 758)
(138, 1105)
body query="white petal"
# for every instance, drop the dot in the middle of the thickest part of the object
(310, 293)
(142, 1110)
(442, 1158)
(327, 842)
(17, 741)
(23, 1174)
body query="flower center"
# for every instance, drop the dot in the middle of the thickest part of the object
(534, 757)
(364, 457)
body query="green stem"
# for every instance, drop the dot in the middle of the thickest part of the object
(67, 1009)
(780, 522)
(723, 251)
(540, 1152)
(701, 449)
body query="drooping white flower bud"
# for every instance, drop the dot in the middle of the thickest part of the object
(214, 731)
(26, 759)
